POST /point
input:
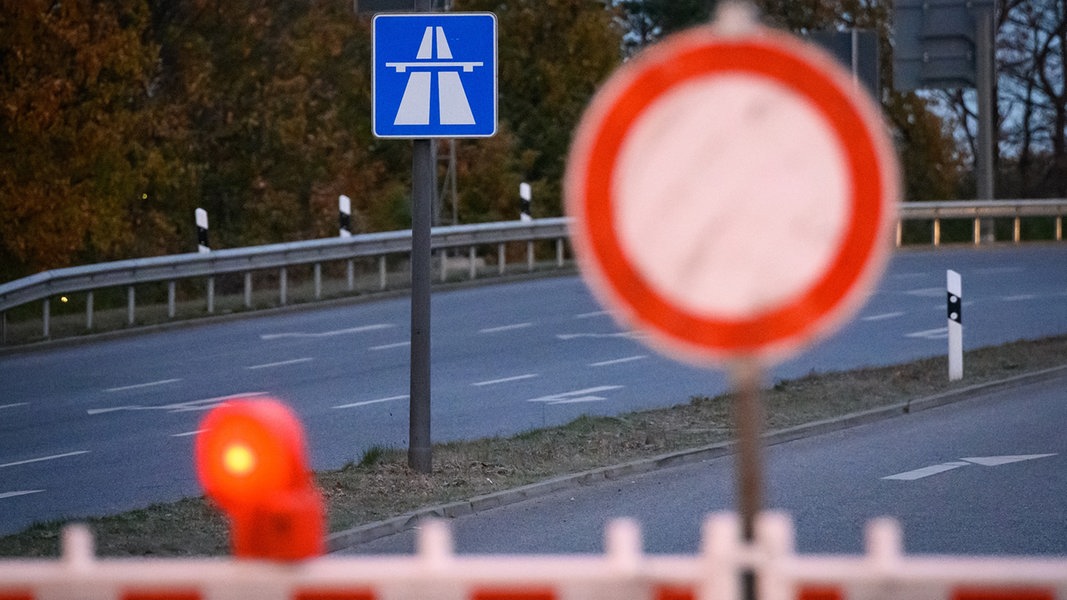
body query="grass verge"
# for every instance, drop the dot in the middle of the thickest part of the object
(380, 485)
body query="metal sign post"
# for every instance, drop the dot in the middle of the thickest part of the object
(433, 76)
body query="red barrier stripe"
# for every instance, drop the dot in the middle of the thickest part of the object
(16, 595)
(161, 595)
(1002, 593)
(516, 593)
(819, 592)
(675, 592)
(333, 594)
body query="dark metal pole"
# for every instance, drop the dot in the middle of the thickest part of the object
(420, 456)
(748, 414)
(985, 73)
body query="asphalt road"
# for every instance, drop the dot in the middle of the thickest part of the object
(108, 426)
(987, 476)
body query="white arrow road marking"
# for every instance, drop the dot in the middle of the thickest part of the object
(605, 363)
(43, 458)
(929, 334)
(18, 493)
(985, 461)
(369, 402)
(323, 334)
(192, 405)
(996, 461)
(584, 395)
(138, 386)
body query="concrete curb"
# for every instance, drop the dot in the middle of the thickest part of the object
(372, 531)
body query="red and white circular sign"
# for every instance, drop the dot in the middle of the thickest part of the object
(733, 194)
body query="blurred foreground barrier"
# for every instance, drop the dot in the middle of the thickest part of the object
(622, 572)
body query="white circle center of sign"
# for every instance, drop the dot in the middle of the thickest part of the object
(732, 195)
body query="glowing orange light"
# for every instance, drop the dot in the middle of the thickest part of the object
(239, 459)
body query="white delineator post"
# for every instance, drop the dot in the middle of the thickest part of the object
(344, 204)
(201, 231)
(955, 326)
(525, 197)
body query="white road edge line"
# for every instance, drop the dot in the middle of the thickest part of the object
(142, 385)
(18, 493)
(15, 405)
(369, 402)
(505, 379)
(43, 458)
(589, 315)
(322, 334)
(505, 328)
(280, 363)
(617, 361)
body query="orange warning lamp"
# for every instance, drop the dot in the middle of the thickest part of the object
(250, 458)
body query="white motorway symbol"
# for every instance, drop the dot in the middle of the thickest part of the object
(985, 461)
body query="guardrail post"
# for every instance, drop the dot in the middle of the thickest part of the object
(131, 303)
(559, 252)
(444, 264)
(530, 256)
(171, 303)
(472, 256)
(318, 280)
(89, 310)
(210, 295)
(937, 231)
(1059, 229)
(248, 289)
(283, 284)
(1017, 229)
(501, 259)
(382, 279)
(900, 232)
(3, 327)
(46, 317)
(350, 274)
(977, 231)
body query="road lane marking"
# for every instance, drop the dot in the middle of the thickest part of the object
(573, 336)
(932, 292)
(138, 386)
(505, 379)
(280, 363)
(589, 315)
(388, 346)
(985, 461)
(939, 333)
(18, 493)
(883, 316)
(1018, 297)
(323, 334)
(177, 407)
(583, 395)
(43, 458)
(927, 471)
(188, 433)
(369, 402)
(505, 328)
(15, 405)
(617, 361)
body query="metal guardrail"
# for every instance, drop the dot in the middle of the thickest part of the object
(131, 273)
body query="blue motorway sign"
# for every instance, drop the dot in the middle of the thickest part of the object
(434, 75)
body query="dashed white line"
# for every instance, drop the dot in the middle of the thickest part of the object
(616, 361)
(369, 402)
(280, 363)
(192, 405)
(505, 379)
(388, 346)
(929, 334)
(883, 316)
(505, 328)
(589, 315)
(43, 458)
(14, 405)
(138, 386)
(1018, 297)
(572, 397)
(322, 334)
(18, 493)
(188, 433)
